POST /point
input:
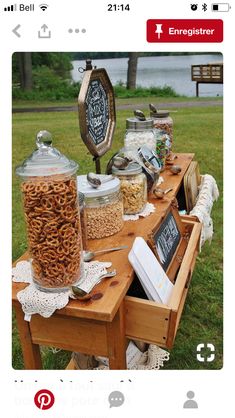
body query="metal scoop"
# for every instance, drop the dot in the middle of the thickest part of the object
(89, 255)
(82, 294)
(95, 182)
(121, 162)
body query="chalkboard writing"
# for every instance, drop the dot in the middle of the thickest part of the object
(97, 111)
(166, 240)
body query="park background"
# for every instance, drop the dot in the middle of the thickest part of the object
(45, 90)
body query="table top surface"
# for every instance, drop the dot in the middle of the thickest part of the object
(105, 308)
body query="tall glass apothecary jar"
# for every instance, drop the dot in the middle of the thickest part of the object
(139, 132)
(52, 216)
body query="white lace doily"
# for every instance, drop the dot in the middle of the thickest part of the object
(93, 271)
(152, 359)
(208, 193)
(35, 301)
(148, 209)
(22, 272)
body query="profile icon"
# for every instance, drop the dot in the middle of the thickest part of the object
(190, 403)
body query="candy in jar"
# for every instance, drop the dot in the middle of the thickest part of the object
(163, 125)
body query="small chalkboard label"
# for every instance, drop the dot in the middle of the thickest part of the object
(164, 239)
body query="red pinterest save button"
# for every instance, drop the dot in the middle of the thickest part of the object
(185, 30)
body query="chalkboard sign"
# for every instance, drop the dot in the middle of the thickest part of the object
(96, 110)
(165, 238)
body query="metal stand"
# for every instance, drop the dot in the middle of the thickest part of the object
(97, 165)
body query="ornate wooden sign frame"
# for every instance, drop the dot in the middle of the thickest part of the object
(97, 114)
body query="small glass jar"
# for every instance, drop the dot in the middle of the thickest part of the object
(81, 199)
(133, 188)
(163, 125)
(161, 150)
(103, 207)
(139, 133)
(52, 216)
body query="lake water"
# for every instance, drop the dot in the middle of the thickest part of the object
(174, 71)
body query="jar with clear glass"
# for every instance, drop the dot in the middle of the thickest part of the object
(163, 125)
(139, 132)
(103, 207)
(81, 199)
(133, 188)
(161, 150)
(52, 216)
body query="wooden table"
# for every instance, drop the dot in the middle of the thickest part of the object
(95, 327)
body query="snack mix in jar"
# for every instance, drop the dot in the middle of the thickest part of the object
(133, 188)
(103, 207)
(52, 216)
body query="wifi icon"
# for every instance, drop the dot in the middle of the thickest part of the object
(43, 6)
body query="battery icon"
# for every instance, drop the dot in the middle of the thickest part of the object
(220, 7)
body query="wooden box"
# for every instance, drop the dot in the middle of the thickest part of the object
(192, 180)
(154, 322)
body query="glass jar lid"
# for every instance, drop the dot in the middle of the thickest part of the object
(149, 159)
(104, 189)
(46, 160)
(155, 113)
(160, 114)
(131, 169)
(139, 121)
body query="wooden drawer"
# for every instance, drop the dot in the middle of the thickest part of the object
(157, 323)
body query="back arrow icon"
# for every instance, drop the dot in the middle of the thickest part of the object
(15, 31)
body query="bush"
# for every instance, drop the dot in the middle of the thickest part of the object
(48, 86)
(166, 91)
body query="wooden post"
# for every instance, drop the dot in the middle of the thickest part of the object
(197, 89)
(31, 352)
(116, 341)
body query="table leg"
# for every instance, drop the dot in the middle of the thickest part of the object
(116, 341)
(31, 351)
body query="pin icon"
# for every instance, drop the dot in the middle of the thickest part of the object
(159, 30)
(44, 399)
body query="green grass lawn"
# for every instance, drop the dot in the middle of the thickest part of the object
(198, 130)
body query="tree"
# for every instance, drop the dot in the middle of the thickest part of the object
(24, 65)
(59, 62)
(132, 70)
(25, 70)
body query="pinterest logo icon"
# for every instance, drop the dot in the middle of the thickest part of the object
(44, 399)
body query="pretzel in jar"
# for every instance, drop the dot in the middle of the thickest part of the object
(54, 232)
